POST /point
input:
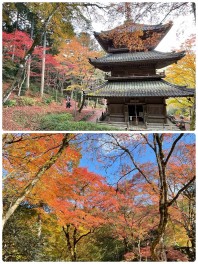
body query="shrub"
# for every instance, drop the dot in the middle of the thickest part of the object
(64, 122)
(10, 103)
(48, 100)
(86, 117)
(52, 121)
(24, 100)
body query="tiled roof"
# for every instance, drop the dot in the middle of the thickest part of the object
(130, 26)
(136, 57)
(159, 88)
(105, 37)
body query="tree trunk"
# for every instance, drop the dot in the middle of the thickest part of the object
(21, 84)
(163, 199)
(139, 250)
(96, 102)
(16, 83)
(71, 246)
(43, 66)
(163, 256)
(83, 102)
(128, 11)
(72, 240)
(19, 76)
(194, 10)
(160, 231)
(75, 241)
(30, 58)
(39, 226)
(126, 248)
(14, 46)
(39, 174)
(193, 119)
(28, 74)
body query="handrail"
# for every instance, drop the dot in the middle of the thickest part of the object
(108, 76)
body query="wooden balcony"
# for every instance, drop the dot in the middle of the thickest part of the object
(135, 77)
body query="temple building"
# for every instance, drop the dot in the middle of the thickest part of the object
(135, 90)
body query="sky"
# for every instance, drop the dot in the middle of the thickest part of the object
(183, 27)
(147, 155)
(174, 39)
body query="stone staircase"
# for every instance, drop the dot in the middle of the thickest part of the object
(118, 125)
(161, 127)
(124, 126)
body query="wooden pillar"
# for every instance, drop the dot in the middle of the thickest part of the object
(126, 113)
(165, 111)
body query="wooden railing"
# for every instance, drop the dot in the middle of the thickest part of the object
(135, 76)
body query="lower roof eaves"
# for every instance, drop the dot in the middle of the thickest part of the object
(139, 88)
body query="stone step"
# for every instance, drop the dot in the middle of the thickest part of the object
(153, 126)
(150, 126)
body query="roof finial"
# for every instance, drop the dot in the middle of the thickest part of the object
(128, 11)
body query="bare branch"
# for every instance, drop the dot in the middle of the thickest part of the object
(180, 191)
(126, 150)
(173, 147)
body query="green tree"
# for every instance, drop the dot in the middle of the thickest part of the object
(184, 73)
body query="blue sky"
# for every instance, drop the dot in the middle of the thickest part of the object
(88, 160)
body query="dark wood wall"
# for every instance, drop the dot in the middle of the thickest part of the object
(131, 71)
(154, 109)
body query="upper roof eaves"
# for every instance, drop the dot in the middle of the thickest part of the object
(105, 37)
